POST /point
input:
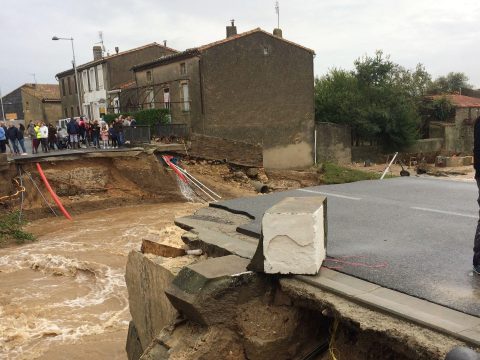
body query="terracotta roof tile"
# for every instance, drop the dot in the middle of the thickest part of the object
(460, 101)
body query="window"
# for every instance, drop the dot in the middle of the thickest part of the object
(96, 79)
(183, 69)
(85, 80)
(75, 84)
(185, 97)
(100, 77)
(63, 86)
(66, 113)
(266, 50)
(166, 98)
(71, 111)
(149, 76)
(69, 86)
(78, 110)
(91, 80)
(27, 106)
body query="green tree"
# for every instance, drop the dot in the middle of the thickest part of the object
(378, 100)
(449, 84)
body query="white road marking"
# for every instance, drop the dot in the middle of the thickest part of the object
(445, 212)
(330, 194)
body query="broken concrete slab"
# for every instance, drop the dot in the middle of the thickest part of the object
(201, 289)
(215, 232)
(151, 246)
(294, 237)
(146, 277)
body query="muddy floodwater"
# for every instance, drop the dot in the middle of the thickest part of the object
(64, 296)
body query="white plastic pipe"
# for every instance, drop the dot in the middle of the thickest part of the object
(194, 183)
(195, 180)
(388, 167)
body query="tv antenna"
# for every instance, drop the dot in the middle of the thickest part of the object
(277, 10)
(34, 78)
(100, 35)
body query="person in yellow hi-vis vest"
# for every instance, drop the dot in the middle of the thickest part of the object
(36, 139)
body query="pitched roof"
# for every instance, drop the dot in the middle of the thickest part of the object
(460, 101)
(103, 59)
(44, 92)
(198, 50)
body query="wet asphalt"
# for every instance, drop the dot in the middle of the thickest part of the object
(413, 235)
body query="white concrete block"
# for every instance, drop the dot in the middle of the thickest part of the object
(295, 236)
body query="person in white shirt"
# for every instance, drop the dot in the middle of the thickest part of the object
(44, 137)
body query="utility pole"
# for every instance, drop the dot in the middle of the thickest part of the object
(1, 101)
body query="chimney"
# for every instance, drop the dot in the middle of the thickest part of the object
(232, 29)
(97, 52)
(277, 32)
(165, 43)
(117, 49)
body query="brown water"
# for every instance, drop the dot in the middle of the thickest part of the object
(64, 296)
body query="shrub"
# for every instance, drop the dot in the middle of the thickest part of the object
(11, 229)
(143, 117)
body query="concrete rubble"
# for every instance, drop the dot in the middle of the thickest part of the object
(294, 237)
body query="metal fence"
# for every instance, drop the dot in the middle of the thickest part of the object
(171, 130)
(137, 134)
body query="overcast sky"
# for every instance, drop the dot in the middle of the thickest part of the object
(441, 34)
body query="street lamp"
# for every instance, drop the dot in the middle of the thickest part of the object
(74, 68)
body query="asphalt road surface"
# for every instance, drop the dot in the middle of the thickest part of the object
(413, 235)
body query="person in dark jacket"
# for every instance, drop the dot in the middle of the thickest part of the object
(95, 134)
(476, 165)
(12, 134)
(52, 137)
(73, 129)
(20, 138)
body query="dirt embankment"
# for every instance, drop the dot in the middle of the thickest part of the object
(91, 184)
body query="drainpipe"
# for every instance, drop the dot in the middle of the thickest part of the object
(315, 144)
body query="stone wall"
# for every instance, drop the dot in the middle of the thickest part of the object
(334, 143)
(237, 152)
(433, 145)
(169, 76)
(52, 111)
(119, 67)
(371, 153)
(68, 96)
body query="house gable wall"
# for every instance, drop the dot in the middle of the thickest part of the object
(260, 89)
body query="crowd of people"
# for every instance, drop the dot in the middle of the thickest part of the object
(78, 133)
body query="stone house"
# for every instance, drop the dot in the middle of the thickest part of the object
(457, 130)
(255, 87)
(33, 102)
(101, 80)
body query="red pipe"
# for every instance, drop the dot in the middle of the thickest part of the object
(167, 159)
(54, 196)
